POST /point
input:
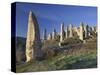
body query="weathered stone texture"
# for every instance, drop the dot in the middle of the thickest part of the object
(33, 42)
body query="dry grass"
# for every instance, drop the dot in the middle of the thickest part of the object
(73, 56)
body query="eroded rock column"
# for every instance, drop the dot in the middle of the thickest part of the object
(45, 35)
(54, 34)
(81, 31)
(49, 36)
(66, 32)
(86, 31)
(62, 32)
(33, 42)
(70, 31)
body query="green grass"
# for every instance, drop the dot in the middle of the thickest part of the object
(73, 58)
(61, 62)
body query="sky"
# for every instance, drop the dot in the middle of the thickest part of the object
(51, 16)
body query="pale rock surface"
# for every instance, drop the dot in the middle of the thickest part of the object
(33, 42)
(70, 31)
(81, 32)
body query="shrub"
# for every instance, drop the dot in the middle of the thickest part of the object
(71, 41)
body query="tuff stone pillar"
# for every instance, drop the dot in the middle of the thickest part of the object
(81, 31)
(45, 35)
(70, 31)
(86, 31)
(66, 32)
(54, 34)
(33, 42)
(62, 32)
(49, 36)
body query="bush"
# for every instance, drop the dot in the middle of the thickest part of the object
(49, 43)
(20, 49)
(50, 52)
(71, 41)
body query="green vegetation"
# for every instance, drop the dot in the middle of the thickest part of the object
(73, 55)
(20, 49)
(71, 41)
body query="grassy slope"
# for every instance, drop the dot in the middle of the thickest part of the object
(77, 59)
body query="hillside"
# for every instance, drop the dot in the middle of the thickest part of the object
(20, 49)
(74, 55)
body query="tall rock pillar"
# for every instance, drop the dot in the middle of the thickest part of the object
(49, 36)
(70, 31)
(62, 32)
(81, 32)
(45, 35)
(86, 31)
(66, 32)
(33, 42)
(54, 34)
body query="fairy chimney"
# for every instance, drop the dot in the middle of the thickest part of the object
(81, 32)
(33, 42)
(70, 31)
(45, 35)
(62, 32)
